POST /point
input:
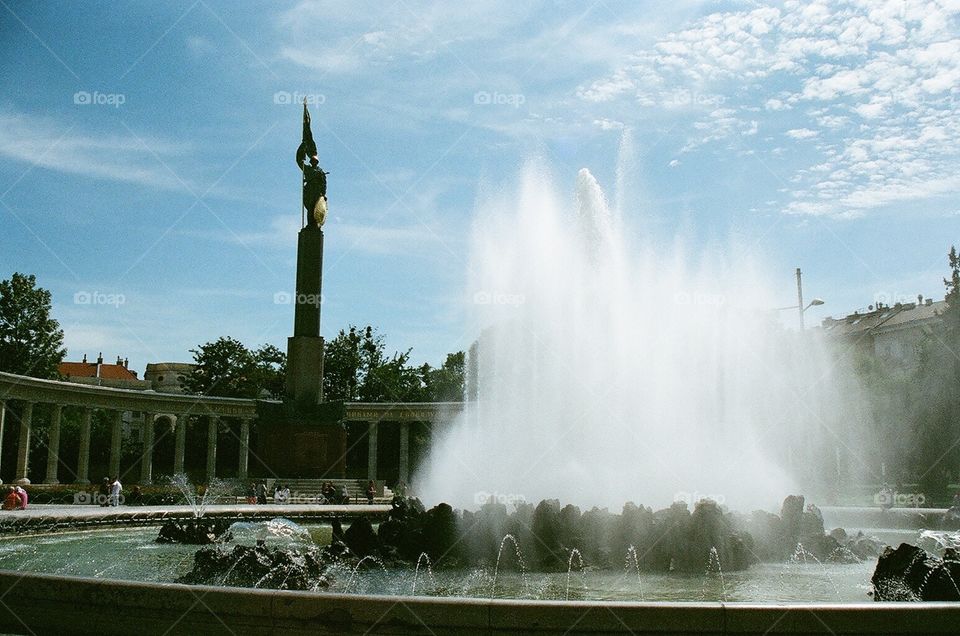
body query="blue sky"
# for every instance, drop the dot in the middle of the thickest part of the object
(146, 150)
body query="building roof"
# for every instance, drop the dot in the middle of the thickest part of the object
(886, 318)
(94, 370)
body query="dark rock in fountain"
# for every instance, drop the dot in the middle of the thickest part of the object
(910, 573)
(860, 546)
(411, 531)
(361, 538)
(198, 531)
(260, 566)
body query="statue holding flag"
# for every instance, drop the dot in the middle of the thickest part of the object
(314, 178)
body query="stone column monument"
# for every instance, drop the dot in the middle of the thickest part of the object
(304, 383)
(304, 436)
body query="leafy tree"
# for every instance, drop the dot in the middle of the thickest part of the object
(226, 368)
(357, 368)
(936, 424)
(270, 370)
(341, 365)
(446, 384)
(31, 342)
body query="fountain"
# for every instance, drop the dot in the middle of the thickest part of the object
(611, 368)
(197, 530)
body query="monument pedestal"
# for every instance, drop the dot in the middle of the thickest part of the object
(303, 437)
(303, 443)
(304, 383)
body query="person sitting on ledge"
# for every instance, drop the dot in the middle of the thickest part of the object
(24, 497)
(11, 501)
(103, 495)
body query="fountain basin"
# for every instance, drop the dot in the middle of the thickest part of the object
(44, 603)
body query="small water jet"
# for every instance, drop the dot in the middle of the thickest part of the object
(356, 568)
(520, 564)
(198, 530)
(714, 567)
(583, 575)
(632, 554)
(416, 574)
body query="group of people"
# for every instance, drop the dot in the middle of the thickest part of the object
(16, 498)
(332, 496)
(329, 493)
(257, 493)
(109, 493)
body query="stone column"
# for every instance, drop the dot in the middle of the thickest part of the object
(53, 445)
(181, 443)
(23, 452)
(116, 439)
(83, 460)
(146, 454)
(243, 465)
(405, 453)
(212, 447)
(372, 450)
(3, 418)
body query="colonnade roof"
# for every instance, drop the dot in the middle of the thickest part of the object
(18, 387)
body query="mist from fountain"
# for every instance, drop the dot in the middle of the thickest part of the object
(610, 368)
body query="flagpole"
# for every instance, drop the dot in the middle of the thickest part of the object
(303, 216)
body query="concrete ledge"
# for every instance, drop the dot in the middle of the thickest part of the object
(43, 603)
(54, 518)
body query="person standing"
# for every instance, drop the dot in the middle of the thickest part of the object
(262, 493)
(115, 489)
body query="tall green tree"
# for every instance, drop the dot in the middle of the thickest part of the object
(358, 368)
(935, 429)
(446, 383)
(227, 368)
(31, 341)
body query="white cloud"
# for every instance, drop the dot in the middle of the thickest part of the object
(880, 81)
(801, 133)
(52, 144)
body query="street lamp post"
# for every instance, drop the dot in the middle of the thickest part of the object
(800, 298)
(800, 307)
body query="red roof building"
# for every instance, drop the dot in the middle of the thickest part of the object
(98, 373)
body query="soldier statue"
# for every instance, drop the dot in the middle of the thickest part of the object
(314, 178)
